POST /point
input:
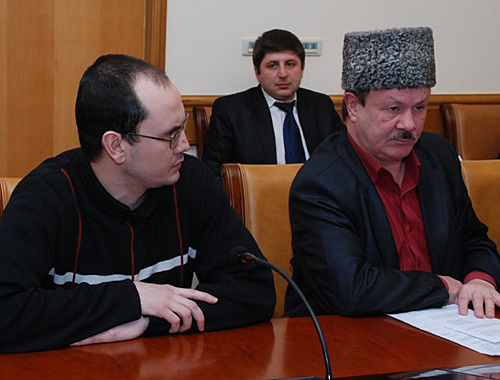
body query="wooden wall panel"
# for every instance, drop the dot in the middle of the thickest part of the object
(45, 47)
(121, 26)
(3, 86)
(155, 32)
(71, 59)
(83, 31)
(28, 72)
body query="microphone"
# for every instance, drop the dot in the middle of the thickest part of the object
(247, 258)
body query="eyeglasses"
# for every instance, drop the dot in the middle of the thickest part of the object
(174, 136)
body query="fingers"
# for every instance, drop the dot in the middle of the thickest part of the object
(463, 305)
(194, 294)
(182, 310)
(185, 310)
(489, 307)
(483, 297)
(180, 315)
(477, 306)
(176, 305)
(484, 303)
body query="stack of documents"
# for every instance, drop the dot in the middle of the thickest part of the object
(481, 335)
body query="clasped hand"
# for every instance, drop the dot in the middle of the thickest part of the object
(480, 293)
(175, 305)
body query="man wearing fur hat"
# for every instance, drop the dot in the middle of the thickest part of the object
(381, 218)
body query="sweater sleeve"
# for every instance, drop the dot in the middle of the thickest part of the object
(38, 316)
(245, 293)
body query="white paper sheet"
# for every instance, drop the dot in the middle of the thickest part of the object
(481, 335)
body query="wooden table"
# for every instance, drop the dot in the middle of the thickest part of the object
(280, 348)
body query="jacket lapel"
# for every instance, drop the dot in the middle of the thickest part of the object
(263, 125)
(306, 117)
(379, 223)
(431, 203)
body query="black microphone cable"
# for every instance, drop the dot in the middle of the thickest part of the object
(246, 257)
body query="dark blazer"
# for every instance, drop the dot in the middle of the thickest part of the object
(345, 258)
(241, 128)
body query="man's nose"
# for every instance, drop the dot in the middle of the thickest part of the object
(283, 72)
(183, 144)
(407, 121)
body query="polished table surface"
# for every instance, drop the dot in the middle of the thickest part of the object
(280, 348)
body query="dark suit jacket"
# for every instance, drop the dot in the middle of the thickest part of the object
(345, 258)
(241, 128)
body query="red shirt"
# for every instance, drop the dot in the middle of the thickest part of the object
(403, 210)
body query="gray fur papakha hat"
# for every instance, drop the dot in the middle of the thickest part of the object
(391, 58)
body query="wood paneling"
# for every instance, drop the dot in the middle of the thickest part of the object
(3, 86)
(46, 45)
(156, 32)
(27, 92)
(433, 121)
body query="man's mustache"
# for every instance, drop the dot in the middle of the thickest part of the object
(404, 135)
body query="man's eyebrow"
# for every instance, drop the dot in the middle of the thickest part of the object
(399, 102)
(172, 130)
(175, 128)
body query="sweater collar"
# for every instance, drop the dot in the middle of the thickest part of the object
(105, 200)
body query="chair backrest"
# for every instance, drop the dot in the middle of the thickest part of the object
(7, 185)
(473, 129)
(201, 120)
(259, 193)
(482, 178)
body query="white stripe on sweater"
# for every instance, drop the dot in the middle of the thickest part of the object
(94, 279)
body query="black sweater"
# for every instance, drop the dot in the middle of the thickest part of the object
(60, 211)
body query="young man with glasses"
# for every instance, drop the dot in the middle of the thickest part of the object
(102, 243)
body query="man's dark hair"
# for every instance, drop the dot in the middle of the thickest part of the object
(107, 101)
(274, 41)
(361, 95)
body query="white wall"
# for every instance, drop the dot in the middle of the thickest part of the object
(203, 52)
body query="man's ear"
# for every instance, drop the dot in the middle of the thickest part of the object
(351, 103)
(112, 142)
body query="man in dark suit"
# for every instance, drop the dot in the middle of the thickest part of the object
(381, 218)
(248, 127)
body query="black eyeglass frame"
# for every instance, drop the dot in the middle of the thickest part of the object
(174, 136)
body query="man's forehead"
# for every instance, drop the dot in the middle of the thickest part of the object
(145, 83)
(151, 92)
(281, 55)
(420, 94)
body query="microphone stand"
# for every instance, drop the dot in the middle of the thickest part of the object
(248, 258)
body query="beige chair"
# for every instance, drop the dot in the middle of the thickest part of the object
(201, 120)
(7, 185)
(259, 193)
(482, 178)
(473, 129)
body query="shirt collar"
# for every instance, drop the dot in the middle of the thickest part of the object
(270, 100)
